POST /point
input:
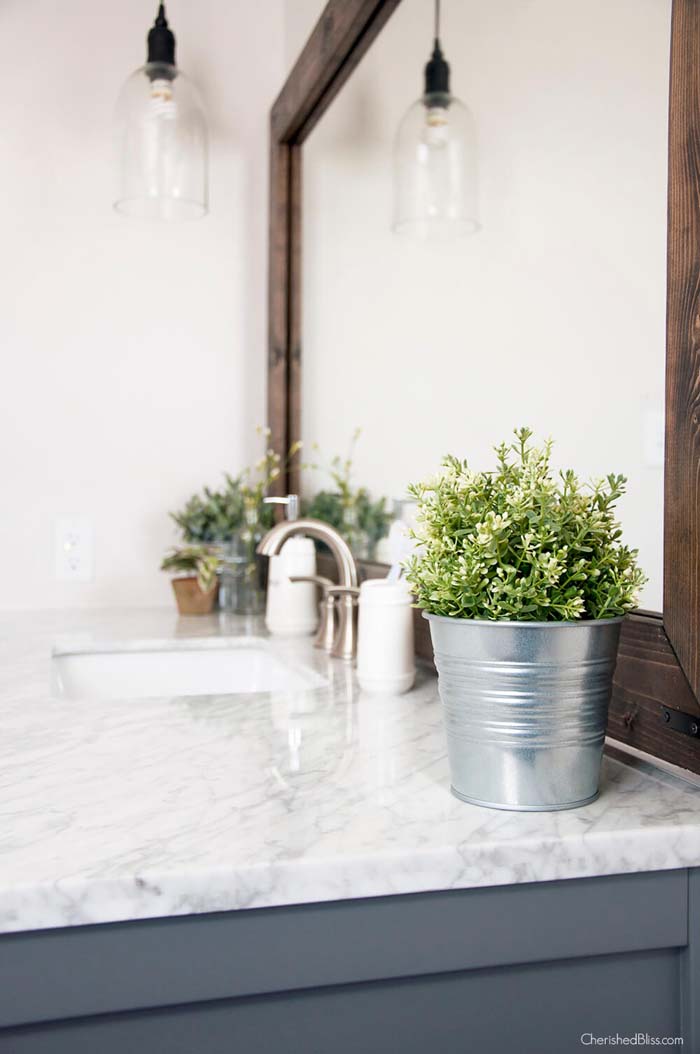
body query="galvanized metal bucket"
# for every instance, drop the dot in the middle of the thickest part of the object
(525, 706)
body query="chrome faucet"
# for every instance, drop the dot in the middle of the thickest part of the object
(344, 641)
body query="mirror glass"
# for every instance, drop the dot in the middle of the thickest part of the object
(553, 315)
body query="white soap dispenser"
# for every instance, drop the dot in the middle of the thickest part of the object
(292, 608)
(385, 651)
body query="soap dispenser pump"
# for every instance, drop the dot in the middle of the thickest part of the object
(291, 608)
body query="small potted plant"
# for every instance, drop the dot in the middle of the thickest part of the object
(524, 579)
(195, 581)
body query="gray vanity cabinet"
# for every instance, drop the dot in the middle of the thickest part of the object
(527, 969)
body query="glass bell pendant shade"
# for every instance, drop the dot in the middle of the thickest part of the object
(160, 138)
(435, 176)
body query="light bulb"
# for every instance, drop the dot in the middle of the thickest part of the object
(436, 126)
(162, 99)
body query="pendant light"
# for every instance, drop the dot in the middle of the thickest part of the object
(435, 180)
(160, 137)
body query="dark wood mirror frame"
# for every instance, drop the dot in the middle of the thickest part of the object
(657, 679)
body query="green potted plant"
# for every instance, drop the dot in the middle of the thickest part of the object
(195, 581)
(524, 579)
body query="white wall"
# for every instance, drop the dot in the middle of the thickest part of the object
(133, 356)
(553, 315)
(300, 17)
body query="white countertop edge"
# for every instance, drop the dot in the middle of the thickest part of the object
(92, 901)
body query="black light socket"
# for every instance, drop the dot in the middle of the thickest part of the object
(437, 73)
(161, 40)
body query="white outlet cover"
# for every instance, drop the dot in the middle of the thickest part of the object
(73, 549)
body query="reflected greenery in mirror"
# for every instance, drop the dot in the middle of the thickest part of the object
(360, 518)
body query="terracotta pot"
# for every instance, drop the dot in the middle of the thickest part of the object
(190, 598)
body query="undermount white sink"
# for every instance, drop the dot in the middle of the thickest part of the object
(162, 670)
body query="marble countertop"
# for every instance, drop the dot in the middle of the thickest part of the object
(114, 810)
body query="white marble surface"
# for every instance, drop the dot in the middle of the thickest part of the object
(125, 810)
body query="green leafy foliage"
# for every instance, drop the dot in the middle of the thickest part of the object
(364, 515)
(373, 517)
(327, 506)
(217, 515)
(213, 515)
(198, 560)
(521, 542)
(361, 519)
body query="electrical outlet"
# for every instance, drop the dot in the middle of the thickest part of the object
(73, 549)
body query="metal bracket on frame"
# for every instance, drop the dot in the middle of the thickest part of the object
(680, 722)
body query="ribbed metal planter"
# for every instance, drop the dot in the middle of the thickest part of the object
(525, 707)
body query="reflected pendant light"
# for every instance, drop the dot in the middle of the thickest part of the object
(160, 137)
(435, 178)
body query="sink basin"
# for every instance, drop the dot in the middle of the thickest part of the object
(161, 670)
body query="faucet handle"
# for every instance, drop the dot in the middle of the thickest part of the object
(291, 503)
(326, 626)
(319, 580)
(345, 640)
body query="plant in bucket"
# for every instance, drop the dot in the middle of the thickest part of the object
(524, 579)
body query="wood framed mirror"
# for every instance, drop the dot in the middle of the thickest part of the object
(655, 704)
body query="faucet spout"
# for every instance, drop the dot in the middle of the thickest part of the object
(278, 535)
(344, 641)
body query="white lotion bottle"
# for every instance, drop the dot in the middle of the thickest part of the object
(385, 653)
(292, 607)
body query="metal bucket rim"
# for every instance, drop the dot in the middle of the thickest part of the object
(524, 624)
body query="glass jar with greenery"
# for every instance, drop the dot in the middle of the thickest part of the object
(233, 519)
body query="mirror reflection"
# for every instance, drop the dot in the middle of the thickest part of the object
(552, 315)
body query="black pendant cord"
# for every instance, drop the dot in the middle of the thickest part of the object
(437, 71)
